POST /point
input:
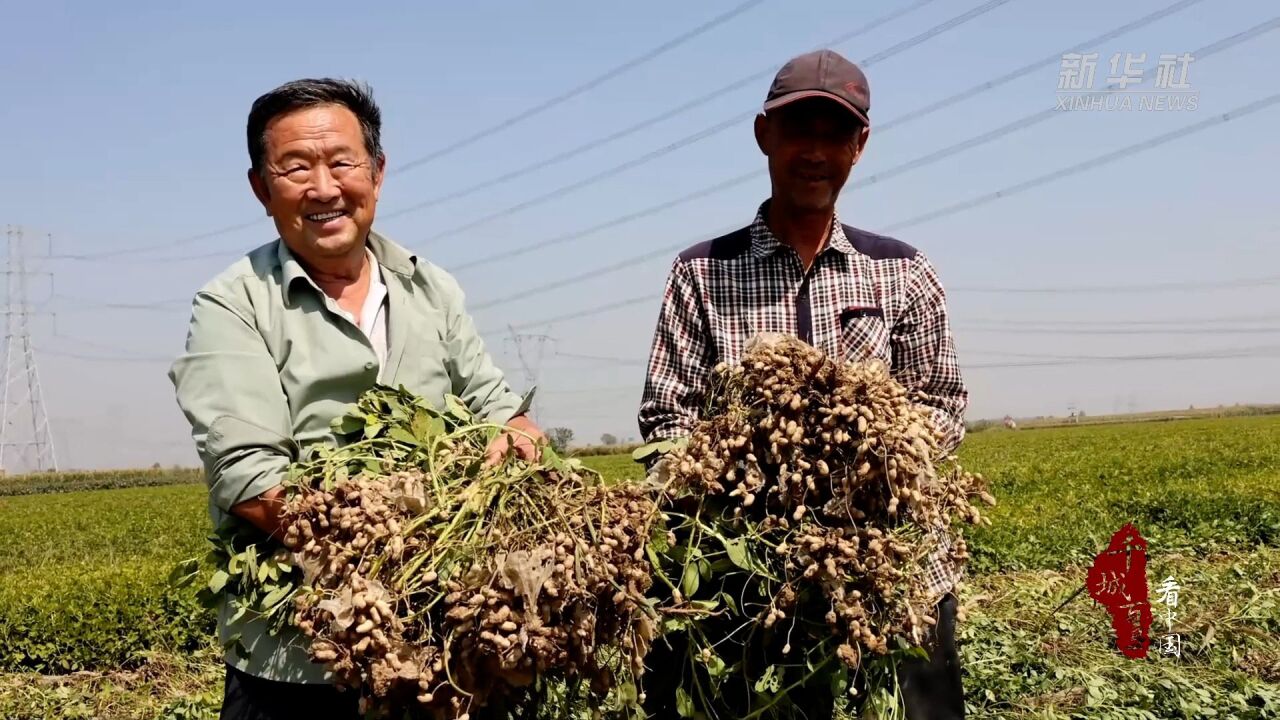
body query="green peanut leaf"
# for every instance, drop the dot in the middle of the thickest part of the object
(275, 597)
(770, 682)
(704, 569)
(184, 573)
(684, 703)
(737, 551)
(715, 666)
(399, 434)
(425, 426)
(455, 407)
(658, 539)
(658, 447)
(689, 583)
(218, 581)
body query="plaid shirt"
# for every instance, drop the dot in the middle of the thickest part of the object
(865, 296)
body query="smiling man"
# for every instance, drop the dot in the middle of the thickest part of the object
(282, 342)
(798, 270)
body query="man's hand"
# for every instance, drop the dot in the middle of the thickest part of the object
(524, 439)
(264, 511)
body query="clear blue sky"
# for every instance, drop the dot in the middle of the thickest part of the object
(124, 127)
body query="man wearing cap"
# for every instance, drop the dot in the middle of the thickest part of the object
(797, 269)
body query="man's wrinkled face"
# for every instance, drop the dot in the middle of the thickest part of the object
(812, 145)
(318, 181)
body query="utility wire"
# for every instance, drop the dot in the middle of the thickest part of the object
(1227, 354)
(720, 127)
(702, 134)
(1176, 286)
(1050, 322)
(948, 210)
(580, 89)
(480, 135)
(106, 358)
(703, 99)
(601, 359)
(1019, 330)
(922, 161)
(598, 310)
(1039, 360)
(732, 182)
(959, 290)
(120, 353)
(78, 304)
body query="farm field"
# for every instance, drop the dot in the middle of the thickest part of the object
(88, 630)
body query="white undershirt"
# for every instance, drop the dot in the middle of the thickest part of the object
(373, 314)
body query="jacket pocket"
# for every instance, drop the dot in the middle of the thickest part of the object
(863, 334)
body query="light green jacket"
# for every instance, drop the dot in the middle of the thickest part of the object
(270, 362)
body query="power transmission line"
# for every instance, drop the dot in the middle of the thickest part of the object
(584, 87)
(651, 121)
(601, 359)
(1049, 61)
(1225, 354)
(1176, 286)
(1035, 360)
(958, 290)
(588, 275)
(1200, 354)
(702, 134)
(80, 304)
(143, 359)
(948, 210)
(1022, 330)
(119, 353)
(1181, 321)
(167, 245)
(471, 139)
(1088, 164)
(598, 310)
(597, 390)
(732, 182)
(922, 161)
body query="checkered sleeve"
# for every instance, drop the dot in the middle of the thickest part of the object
(925, 356)
(680, 360)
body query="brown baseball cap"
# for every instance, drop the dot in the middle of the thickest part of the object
(822, 73)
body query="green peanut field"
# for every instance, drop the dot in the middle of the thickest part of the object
(88, 628)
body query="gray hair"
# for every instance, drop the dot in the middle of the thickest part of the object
(308, 92)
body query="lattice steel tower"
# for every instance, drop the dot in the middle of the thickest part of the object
(26, 443)
(530, 349)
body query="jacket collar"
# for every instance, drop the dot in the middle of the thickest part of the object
(764, 243)
(390, 255)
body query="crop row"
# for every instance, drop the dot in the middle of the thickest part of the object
(54, 482)
(82, 579)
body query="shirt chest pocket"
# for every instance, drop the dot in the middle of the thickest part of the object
(864, 335)
(423, 365)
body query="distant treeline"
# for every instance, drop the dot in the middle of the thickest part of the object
(54, 482)
(593, 450)
(974, 426)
